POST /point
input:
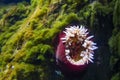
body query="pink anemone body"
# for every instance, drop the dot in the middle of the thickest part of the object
(74, 50)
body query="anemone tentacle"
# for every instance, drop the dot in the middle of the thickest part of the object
(79, 48)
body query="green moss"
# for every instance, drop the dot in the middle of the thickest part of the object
(40, 2)
(13, 15)
(114, 43)
(29, 44)
(116, 13)
(20, 72)
(2, 11)
(116, 77)
(38, 53)
(91, 11)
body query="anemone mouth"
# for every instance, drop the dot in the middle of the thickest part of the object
(79, 48)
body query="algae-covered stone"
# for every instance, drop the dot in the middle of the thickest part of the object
(28, 30)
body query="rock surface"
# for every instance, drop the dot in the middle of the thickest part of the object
(28, 30)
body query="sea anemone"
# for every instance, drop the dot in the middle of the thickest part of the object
(75, 49)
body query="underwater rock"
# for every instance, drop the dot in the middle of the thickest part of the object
(28, 29)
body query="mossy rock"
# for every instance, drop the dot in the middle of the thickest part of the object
(27, 33)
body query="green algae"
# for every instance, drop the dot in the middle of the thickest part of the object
(116, 77)
(38, 53)
(114, 43)
(116, 14)
(25, 70)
